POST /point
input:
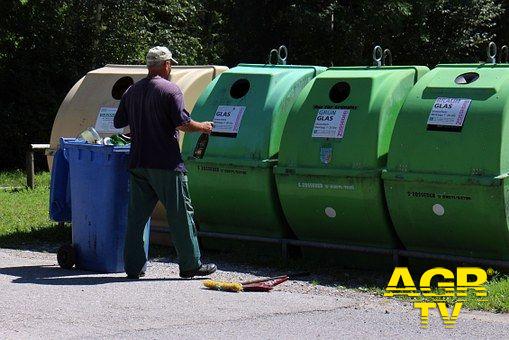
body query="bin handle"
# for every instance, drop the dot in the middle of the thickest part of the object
(377, 56)
(504, 54)
(492, 53)
(387, 55)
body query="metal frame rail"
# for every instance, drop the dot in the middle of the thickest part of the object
(397, 254)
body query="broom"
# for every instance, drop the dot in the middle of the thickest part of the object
(259, 285)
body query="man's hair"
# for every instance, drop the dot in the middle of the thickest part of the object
(155, 63)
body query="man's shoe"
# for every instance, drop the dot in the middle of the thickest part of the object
(135, 276)
(204, 270)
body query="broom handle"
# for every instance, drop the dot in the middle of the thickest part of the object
(263, 280)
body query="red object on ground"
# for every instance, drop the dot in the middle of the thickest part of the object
(264, 286)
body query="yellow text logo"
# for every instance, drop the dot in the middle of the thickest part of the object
(466, 280)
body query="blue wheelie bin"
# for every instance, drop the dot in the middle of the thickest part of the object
(99, 184)
(60, 191)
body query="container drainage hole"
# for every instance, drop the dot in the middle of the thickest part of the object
(339, 92)
(120, 87)
(466, 78)
(240, 88)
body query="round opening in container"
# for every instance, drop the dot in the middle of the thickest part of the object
(339, 92)
(120, 87)
(240, 88)
(466, 78)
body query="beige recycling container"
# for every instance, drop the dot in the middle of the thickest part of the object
(93, 101)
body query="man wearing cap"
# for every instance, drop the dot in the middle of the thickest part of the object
(154, 110)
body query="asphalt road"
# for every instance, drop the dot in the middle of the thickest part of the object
(40, 300)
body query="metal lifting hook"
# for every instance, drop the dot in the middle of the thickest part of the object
(282, 51)
(279, 53)
(387, 57)
(492, 53)
(504, 54)
(273, 53)
(377, 56)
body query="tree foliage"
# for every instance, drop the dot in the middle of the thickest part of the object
(47, 45)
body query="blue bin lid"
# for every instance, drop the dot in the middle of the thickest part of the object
(67, 143)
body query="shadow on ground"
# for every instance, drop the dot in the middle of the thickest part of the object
(323, 270)
(52, 275)
(253, 259)
(247, 264)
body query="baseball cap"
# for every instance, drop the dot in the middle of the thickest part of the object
(160, 53)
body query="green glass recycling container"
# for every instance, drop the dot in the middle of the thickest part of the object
(233, 187)
(446, 180)
(333, 150)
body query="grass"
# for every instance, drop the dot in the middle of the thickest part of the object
(12, 179)
(24, 222)
(24, 218)
(498, 296)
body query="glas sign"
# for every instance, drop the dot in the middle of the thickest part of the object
(448, 114)
(227, 120)
(330, 123)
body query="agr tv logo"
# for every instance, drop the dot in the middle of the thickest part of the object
(468, 280)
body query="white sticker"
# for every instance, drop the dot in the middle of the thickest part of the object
(228, 118)
(104, 122)
(330, 123)
(438, 209)
(330, 212)
(449, 111)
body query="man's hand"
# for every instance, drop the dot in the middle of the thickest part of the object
(193, 126)
(207, 127)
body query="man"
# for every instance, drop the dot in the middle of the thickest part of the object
(154, 110)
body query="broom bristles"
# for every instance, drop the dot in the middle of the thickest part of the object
(222, 285)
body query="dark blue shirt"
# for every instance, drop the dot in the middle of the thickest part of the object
(153, 108)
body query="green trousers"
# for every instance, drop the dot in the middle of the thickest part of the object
(170, 187)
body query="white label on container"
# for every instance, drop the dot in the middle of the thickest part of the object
(228, 118)
(104, 122)
(330, 123)
(330, 212)
(438, 209)
(449, 111)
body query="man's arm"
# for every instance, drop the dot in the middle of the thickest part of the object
(194, 126)
(120, 120)
(180, 117)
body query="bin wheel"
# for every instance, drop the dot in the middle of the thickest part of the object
(66, 256)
